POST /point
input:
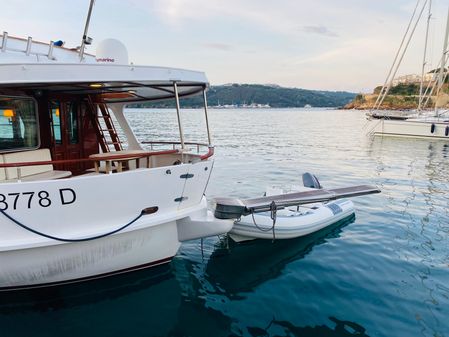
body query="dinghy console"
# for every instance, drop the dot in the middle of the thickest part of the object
(232, 208)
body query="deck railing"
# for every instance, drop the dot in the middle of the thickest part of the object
(112, 157)
(174, 144)
(177, 145)
(115, 156)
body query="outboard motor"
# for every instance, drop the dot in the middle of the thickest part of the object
(310, 180)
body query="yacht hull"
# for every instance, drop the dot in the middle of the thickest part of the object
(67, 230)
(75, 262)
(410, 128)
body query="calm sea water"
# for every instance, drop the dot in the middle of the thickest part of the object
(384, 274)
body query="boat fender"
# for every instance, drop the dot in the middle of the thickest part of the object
(432, 128)
(446, 132)
(310, 180)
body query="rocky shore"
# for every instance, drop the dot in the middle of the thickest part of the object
(400, 98)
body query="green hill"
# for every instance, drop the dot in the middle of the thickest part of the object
(275, 96)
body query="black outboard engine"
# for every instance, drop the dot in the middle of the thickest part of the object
(310, 180)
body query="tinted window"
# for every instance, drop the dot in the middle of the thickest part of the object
(72, 122)
(18, 123)
(55, 111)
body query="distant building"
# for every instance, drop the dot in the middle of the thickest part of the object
(415, 79)
(407, 79)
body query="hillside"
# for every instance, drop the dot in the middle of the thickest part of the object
(275, 96)
(400, 97)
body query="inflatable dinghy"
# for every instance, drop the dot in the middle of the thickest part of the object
(294, 221)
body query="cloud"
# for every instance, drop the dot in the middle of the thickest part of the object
(320, 30)
(217, 46)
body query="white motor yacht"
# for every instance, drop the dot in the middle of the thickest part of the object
(76, 203)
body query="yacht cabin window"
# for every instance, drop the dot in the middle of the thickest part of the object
(55, 110)
(72, 122)
(19, 127)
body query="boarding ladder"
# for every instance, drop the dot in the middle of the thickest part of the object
(103, 123)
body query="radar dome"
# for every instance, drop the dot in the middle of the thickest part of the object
(112, 51)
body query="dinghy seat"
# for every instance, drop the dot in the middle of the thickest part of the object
(311, 181)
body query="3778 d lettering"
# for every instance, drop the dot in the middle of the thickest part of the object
(66, 196)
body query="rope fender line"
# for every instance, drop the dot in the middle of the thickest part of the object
(17, 222)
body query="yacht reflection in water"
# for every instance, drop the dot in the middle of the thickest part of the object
(233, 269)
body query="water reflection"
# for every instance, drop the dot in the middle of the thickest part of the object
(78, 294)
(231, 270)
(255, 262)
(414, 179)
(341, 329)
(125, 305)
(182, 293)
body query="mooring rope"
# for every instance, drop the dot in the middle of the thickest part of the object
(17, 222)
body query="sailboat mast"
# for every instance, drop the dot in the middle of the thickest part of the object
(441, 76)
(387, 79)
(424, 62)
(386, 90)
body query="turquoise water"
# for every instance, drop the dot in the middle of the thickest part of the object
(384, 273)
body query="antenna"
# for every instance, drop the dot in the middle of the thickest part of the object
(86, 40)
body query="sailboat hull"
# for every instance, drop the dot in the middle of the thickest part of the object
(413, 128)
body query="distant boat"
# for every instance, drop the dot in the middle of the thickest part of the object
(424, 122)
(255, 106)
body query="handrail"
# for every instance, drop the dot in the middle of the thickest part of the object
(209, 153)
(86, 160)
(154, 144)
(173, 142)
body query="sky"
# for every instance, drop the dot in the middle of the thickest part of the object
(321, 44)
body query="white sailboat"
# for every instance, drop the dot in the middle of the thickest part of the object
(425, 122)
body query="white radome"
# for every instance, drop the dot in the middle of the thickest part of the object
(112, 51)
